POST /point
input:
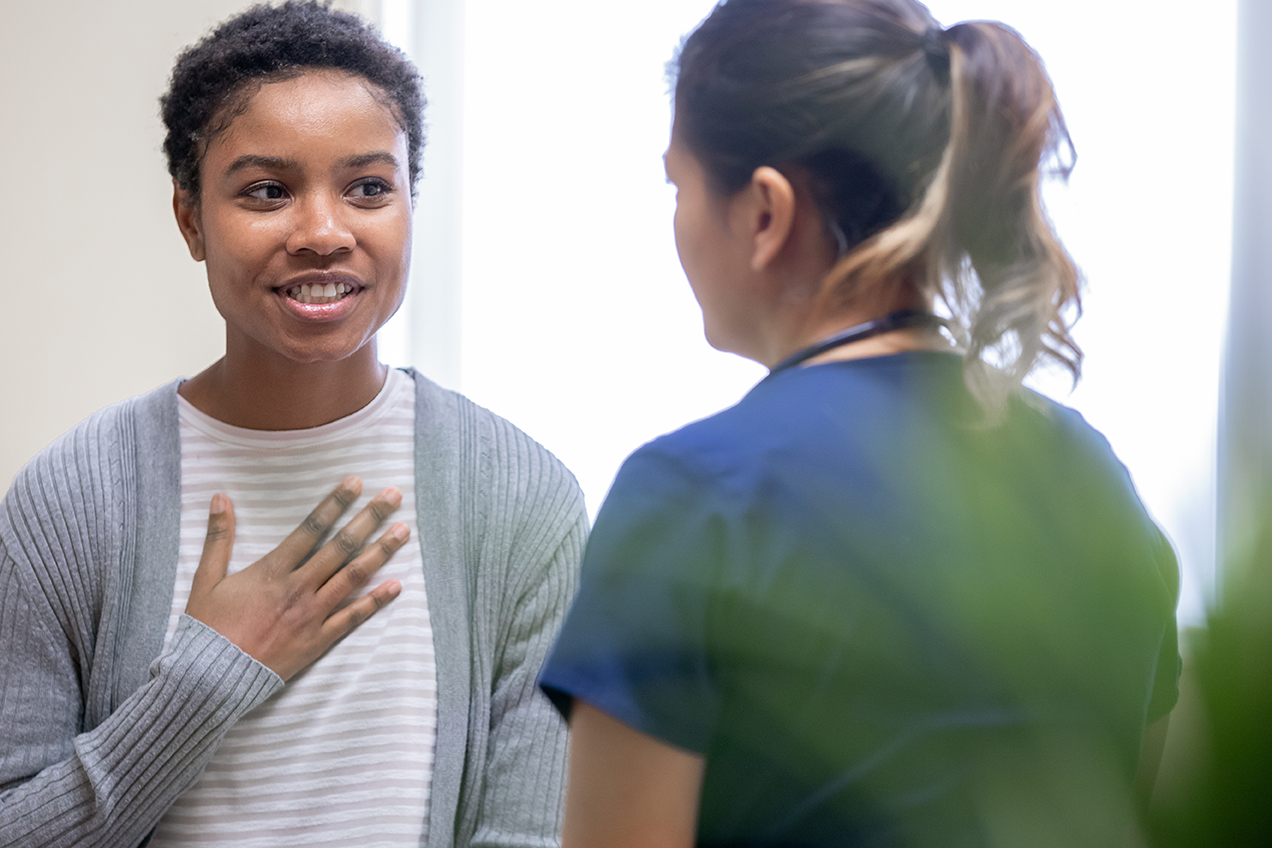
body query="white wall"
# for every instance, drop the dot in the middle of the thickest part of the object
(577, 321)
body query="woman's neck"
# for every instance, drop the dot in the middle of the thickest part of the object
(814, 324)
(265, 393)
(901, 340)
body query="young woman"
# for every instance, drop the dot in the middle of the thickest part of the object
(142, 680)
(890, 598)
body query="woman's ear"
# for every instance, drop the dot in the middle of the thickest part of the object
(189, 220)
(773, 215)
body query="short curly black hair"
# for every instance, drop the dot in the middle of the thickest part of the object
(213, 80)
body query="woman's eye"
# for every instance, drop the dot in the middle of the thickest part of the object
(266, 191)
(372, 188)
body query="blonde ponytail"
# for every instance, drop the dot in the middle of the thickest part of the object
(979, 238)
(926, 150)
(1006, 127)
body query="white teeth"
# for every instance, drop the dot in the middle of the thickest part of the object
(319, 292)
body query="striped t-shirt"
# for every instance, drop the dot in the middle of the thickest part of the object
(342, 755)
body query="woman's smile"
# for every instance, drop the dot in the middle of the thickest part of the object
(320, 296)
(321, 291)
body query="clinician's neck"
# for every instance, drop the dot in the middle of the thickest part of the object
(810, 326)
(266, 393)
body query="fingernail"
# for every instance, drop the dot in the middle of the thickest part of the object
(351, 482)
(395, 588)
(218, 504)
(399, 532)
(393, 495)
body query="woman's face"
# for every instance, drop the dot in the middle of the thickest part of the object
(304, 219)
(712, 254)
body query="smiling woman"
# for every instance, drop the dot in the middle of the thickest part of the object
(303, 216)
(148, 638)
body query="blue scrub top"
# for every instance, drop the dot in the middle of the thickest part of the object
(882, 622)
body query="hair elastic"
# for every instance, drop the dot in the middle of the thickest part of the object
(892, 321)
(937, 50)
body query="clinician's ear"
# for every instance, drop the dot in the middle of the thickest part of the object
(773, 215)
(189, 221)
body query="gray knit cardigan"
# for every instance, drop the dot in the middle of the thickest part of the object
(99, 734)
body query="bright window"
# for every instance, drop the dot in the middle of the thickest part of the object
(574, 319)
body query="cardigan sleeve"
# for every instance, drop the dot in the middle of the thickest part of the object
(72, 773)
(536, 543)
(108, 786)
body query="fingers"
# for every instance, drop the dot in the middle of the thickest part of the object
(345, 619)
(333, 556)
(353, 576)
(301, 542)
(344, 622)
(217, 545)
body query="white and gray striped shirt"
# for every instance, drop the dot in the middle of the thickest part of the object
(343, 754)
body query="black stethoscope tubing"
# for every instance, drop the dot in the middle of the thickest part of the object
(892, 321)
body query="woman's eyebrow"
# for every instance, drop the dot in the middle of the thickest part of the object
(278, 163)
(274, 163)
(375, 157)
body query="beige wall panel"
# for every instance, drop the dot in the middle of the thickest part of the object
(99, 299)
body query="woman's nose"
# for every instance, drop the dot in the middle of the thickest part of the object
(320, 228)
